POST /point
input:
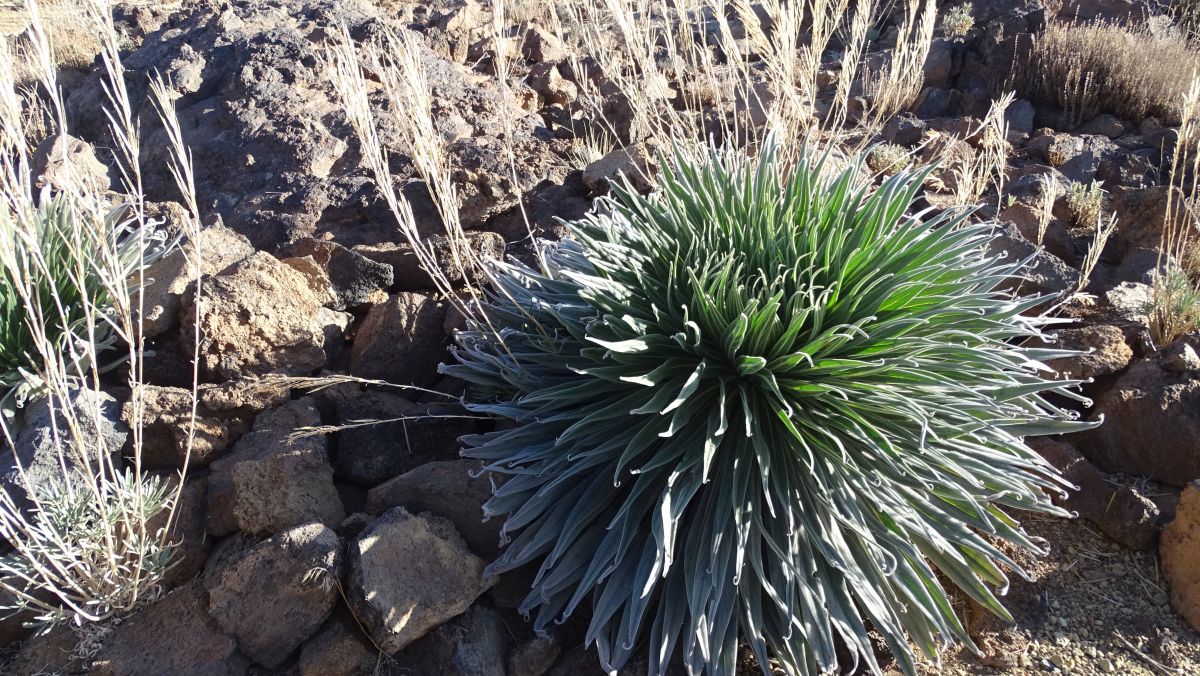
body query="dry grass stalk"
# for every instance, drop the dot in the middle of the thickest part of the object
(1176, 309)
(82, 548)
(985, 168)
(897, 85)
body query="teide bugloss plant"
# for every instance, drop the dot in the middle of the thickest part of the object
(768, 403)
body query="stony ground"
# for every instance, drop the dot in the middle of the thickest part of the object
(297, 550)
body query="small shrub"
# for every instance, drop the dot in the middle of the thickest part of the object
(1088, 69)
(1086, 202)
(762, 402)
(1175, 310)
(888, 158)
(958, 21)
(80, 558)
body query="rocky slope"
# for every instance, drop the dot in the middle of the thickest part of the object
(362, 551)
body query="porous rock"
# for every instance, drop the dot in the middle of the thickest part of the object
(260, 317)
(276, 477)
(1180, 552)
(354, 278)
(410, 573)
(1122, 513)
(272, 596)
(401, 435)
(401, 341)
(224, 412)
(174, 635)
(447, 488)
(1151, 425)
(338, 649)
(44, 447)
(169, 276)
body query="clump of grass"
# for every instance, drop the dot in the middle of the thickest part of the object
(1175, 310)
(731, 400)
(958, 21)
(1086, 202)
(1087, 69)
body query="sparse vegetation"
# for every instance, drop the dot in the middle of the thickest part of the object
(1086, 202)
(888, 158)
(1175, 310)
(669, 394)
(958, 21)
(1087, 69)
(71, 272)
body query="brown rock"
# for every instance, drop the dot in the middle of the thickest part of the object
(187, 531)
(260, 316)
(407, 270)
(174, 635)
(1122, 513)
(473, 644)
(52, 653)
(1142, 214)
(534, 657)
(635, 162)
(409, 574)
(274, 595)
(400, 436)
(1151, 426)
(354, 278)
(1105, 351)
(447, 489)
(66, 162)
(223, 414)
(339, 649)
(1180, 552)
(401, 341)
(271, 481)
(170, 276)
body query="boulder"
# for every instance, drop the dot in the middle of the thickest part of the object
(1151, 425)
(260, 317)
(403, 436)
(410, 573)
(446, 488)
(1180, 553)
(273, 479)
(169, 277)
(174, 635)
(272, 596)
(1045, 274)
(449, 259)
(338, 649)
(187, 531)
(534, 657)
(1131, 301)
(1104, 351)
(1141, 214)
(635, 163)
(401, 341)
(224, 413)
(46, 445)
(474, 644)
(1180, 358)
(64, 162)
(273, 152)
(355, 279)
(1122, 513)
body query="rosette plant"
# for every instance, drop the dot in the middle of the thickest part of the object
(763, 402)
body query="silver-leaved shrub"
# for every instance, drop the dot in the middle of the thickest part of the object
(764, 403)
